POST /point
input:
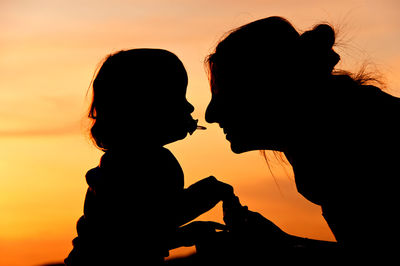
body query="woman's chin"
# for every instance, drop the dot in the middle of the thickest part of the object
(238, 148)
(240, 145)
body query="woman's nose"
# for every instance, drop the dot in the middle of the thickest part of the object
(211, 112)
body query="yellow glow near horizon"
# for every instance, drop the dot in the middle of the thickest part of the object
(48, 53)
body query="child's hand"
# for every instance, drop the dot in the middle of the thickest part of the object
(215, 189)
(194, 232)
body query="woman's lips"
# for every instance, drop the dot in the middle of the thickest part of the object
(227, 132)
(224, 129)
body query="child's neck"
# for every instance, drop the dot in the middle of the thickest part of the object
(135, 147)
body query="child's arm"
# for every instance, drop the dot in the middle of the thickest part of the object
(201, 197)
(193, 233)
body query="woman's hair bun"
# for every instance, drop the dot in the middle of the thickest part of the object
(317, 46)
(325, 34)
(321, 36)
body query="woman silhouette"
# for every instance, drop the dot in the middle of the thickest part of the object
(275, 89)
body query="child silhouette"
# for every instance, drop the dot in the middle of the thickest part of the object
(136, 204)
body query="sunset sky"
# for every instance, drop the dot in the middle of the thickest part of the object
(49, 50)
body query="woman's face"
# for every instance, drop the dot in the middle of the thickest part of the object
(249, 119)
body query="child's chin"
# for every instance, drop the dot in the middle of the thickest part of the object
(183, 135)
(179, 136)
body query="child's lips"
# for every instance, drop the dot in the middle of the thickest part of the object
(193, 126)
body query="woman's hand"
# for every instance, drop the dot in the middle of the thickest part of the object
(248, 226)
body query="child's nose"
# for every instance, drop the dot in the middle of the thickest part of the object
(189, 107)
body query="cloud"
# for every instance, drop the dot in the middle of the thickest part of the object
(67, 129)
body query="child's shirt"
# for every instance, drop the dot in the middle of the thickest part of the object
(131, 208)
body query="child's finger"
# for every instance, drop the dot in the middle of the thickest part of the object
(217, 226)
(210, 225)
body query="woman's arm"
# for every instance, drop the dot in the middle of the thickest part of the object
(255, 228)
(301, 242)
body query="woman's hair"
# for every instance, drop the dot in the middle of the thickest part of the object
(273, 45)
(130, 87)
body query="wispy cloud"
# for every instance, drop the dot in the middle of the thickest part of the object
(67, 129)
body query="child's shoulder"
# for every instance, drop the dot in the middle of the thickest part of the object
(157, 159)
(140, 155)
(164, 168)
(165, 157)
(164, 152)
(155, 167)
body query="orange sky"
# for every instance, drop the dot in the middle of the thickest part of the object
(48, 52)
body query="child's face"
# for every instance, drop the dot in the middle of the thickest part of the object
(175, 119)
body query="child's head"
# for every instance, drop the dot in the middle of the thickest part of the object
(139, 98)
